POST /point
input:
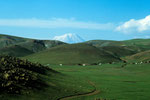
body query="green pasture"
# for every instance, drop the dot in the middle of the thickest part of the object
(131, 82)
(58, 85)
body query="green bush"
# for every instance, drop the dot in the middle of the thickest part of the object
(18, 75)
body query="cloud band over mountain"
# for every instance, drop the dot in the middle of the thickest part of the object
(131, 26)
(55, 23)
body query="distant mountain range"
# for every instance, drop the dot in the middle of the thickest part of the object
(69, 38)
(18, 46)
(89, 52)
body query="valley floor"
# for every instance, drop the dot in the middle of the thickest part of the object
(131, 82)
(108, 81)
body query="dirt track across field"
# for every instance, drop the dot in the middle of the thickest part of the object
(93, 92)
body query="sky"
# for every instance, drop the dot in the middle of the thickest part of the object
(90, 19)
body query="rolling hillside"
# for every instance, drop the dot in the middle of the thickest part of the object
(7, 40)
(142, 56)
(24, 80)
(18, 46)
(18, 76)
(102, 43)
(122, 48)
(39, 45)
(119, 51)
(133, 42)
(72, 54)
(15, 50)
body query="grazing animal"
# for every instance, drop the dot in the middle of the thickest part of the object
(60, 64)
(83, 64)
(100, 64)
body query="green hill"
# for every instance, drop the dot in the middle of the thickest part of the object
(20, 76)
(15, 50)
(28, 46)
(39, 45)
(122, 48)
(138, 45)
(102, 43)
(142, 56)
(137, 42)
(132, 42)
(7, 40)
(116, 48)
(24, 80)
(72, 54)
(18, 46)
(119, 51)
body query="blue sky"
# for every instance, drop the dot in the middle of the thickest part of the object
(91, 19)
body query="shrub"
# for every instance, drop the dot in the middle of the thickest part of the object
(17, 75)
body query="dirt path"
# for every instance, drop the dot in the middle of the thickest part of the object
(93, 92)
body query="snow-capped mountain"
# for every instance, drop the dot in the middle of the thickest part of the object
(69, 38)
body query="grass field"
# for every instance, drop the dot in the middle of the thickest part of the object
(131, 82)
(112, 82)
(58, 85)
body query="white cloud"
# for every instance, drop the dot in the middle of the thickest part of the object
(135, 26)
(55, 23)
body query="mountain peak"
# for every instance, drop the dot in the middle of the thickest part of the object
(69, 38)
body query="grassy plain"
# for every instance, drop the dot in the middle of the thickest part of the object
(114, 82)
(131, 82)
